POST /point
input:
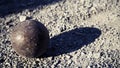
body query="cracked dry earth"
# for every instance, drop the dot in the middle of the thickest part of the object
(84, 34)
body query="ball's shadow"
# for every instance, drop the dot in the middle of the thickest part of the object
(71, 41)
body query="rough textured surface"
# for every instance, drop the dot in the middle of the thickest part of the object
(29, 38)
(64, 18)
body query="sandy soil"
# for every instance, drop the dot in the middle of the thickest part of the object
(84, 34)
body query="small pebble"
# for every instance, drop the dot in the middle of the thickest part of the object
(96, 55)
(22, 18)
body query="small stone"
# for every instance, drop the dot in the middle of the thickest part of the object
(37, 59)
(50, 58)
(96, 55)
(69, 61)
(82, 53)
(22, 18)
(67, 56)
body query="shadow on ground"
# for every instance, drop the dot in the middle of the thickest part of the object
(71, 41)
(15, 6)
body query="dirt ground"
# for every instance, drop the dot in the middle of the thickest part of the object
(83, 34)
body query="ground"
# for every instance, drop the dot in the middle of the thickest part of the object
(84, 34)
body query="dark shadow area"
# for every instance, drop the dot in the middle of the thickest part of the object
(15, 6)
(71, 41)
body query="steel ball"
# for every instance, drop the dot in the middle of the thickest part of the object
(29, 38)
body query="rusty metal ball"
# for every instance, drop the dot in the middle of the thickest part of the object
(29, 38)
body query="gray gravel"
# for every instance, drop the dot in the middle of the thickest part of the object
(84, 34)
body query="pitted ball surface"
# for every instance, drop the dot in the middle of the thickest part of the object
(29, 38)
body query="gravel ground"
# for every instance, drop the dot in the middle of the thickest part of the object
(84, 34)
